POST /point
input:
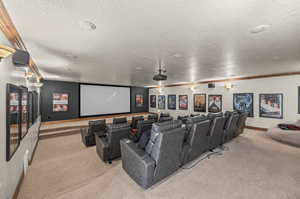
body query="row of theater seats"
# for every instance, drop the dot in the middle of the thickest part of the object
(174, 143)
(107, 137)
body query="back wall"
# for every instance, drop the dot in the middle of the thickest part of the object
(288, 85)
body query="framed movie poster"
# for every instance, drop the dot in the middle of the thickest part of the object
(183, 102)
(243, 102)
(24, 111)
(161, 102)
(153, 101)
(199, 102)
(30, 108)
(139, 100)
(271, 105)
(172, 102)
(60, 102)
(13, 119)
(214, 103)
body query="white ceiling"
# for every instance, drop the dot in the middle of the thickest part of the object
(195, 39)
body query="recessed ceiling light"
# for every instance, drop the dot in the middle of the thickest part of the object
(260, 28)
(87, 25)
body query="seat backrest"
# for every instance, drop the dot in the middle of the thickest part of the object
(97, 126)
(197, 139)
(217, 131)
(115, 133)
(142, 126)
(164, 147)
(213, 115)
(153, 117)
(135, 120)
(164, 119)
(120, 120)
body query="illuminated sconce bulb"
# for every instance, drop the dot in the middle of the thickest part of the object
(228, 85)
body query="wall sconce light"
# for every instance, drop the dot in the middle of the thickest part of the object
(228, 85)
(5, 51)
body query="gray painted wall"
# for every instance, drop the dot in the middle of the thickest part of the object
(11, 171)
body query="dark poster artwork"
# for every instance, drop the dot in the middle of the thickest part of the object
(172, 102)
(139, 100)
(153, 101)
(183, 102)
(214, 103)
(24, 112)
(161, 102)
(60, 102)
(200, 102)
(271, 105)
(13, 120)
(243, 102)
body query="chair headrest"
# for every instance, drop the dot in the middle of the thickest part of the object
(163, 119)
(119, 120)
(213, 115)
(138, 117)
(195, 114)
(198, 118)
(164, 115)
(96, 122)
(166, 126)
(153, 116)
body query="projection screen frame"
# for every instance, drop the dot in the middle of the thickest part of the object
(98, 115)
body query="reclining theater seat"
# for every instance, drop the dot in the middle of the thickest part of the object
(230, 126)
(241, 123)
(197, 141)
(216, 131)
(95, 128)
(164, 115)
(160, 158)
(108, 148)
(183, 118)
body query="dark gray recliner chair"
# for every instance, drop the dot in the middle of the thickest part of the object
(197, 138)
(135, 121)
(161, 157)
(216, 131)
(108, 147)
(97, 127)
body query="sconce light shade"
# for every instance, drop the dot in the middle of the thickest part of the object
(228, 85)
(5, 51)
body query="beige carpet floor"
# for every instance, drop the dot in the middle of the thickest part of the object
(60, 165)
(252, 167)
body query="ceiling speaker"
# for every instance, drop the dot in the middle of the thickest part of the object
(211, 85)
(21, 58)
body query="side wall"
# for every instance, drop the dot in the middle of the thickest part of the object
(288, 85)
(12, 171)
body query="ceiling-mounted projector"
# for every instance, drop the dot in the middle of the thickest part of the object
(160, 76)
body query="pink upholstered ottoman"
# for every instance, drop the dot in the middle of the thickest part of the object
(291, 137)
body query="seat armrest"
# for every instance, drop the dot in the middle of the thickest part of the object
(102, 148)
(137, 163)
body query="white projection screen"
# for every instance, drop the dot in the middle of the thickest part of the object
(101, 100)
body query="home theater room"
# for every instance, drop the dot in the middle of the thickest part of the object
(172, 99)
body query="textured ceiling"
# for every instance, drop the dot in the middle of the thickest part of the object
(195, 39)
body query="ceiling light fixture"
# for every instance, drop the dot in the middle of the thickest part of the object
(160, 76)
(87, 25)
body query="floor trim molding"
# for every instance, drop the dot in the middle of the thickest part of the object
(256, 128)
(16, 193)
